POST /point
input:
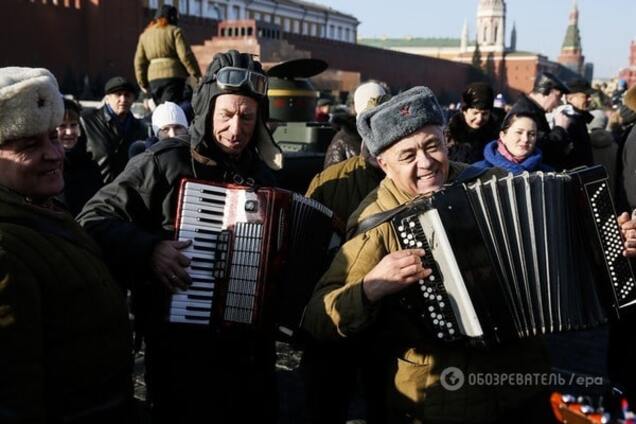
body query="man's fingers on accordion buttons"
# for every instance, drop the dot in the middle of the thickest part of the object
(413, 257)
(629, 252)
(623, 218)
(410, 270)
(408, 253)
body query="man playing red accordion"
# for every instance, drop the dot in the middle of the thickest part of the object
(193, 374)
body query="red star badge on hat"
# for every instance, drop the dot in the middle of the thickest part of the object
(405, 110)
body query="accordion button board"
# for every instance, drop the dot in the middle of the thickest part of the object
(517, 256)
(436, 304)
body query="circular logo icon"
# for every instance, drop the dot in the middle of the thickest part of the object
(452, 379)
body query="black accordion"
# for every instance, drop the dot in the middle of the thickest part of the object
(517, 256)
(255, 256)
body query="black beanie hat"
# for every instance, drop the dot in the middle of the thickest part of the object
(478, 95)
(168, 12)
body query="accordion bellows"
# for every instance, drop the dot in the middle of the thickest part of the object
(517, 256)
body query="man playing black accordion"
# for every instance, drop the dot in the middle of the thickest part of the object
(193, 374)
(358, 295)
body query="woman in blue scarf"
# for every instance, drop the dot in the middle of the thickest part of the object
(515, 150)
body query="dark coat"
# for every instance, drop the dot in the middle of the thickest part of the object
(345, 144)
(128, 217)
(629, 168)
(605, 152)
(63, 320)
(492, 158)
(81, 178)
(106, 143)
(137, 210)
(581, 151)
(555, 142)
(468, 143)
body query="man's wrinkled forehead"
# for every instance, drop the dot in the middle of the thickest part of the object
(423, 138)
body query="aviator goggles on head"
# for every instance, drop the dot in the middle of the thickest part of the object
(236, 78)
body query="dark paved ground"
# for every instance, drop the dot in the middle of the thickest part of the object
(576, 354)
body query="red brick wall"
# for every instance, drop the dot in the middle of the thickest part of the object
(97, 40)
(42, 35)
(400, 70)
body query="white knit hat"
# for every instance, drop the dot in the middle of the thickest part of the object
(168, 113)
(30, 102)
(367, 94)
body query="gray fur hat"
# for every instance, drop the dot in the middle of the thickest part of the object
(401, 116)
(30, 102)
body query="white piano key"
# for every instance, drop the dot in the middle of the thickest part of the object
(189, 320)
(193, 296)
(191, 219)
(188, 305)
(183, 312)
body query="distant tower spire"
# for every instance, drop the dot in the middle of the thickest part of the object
(464, 40)
(491, 24)
(513, 37)
(571, 51)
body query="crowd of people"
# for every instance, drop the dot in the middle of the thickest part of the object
(88, 201)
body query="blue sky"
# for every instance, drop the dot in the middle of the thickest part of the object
(607, 26)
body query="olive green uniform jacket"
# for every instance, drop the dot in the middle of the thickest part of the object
(342, 186)
(408, 362)
(164, 53)
(65, 345)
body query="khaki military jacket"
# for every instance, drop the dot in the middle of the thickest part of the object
(342, 186)
(409, 361)
(164, 53)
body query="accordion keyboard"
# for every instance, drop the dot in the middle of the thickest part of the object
(201, 221)
(436, 302)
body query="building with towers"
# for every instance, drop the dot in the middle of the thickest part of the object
(510, 71)
(99, 38)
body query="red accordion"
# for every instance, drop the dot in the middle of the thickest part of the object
(255, 255)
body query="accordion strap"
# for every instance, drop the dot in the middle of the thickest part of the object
(468, 174)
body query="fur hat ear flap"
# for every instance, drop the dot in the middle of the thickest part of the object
(30, 102)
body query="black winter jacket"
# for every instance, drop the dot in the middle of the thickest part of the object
(105, 142)
(81, 178)
(129, 216)
(581, 153)
(555, 142)
(468, 143)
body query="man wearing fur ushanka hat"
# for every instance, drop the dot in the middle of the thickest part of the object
(356, 298)
(415, 378)
(64, 332)
(133, 220)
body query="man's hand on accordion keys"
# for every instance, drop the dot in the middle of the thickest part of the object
(628, 229)
(169, 264)
(393, 273)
